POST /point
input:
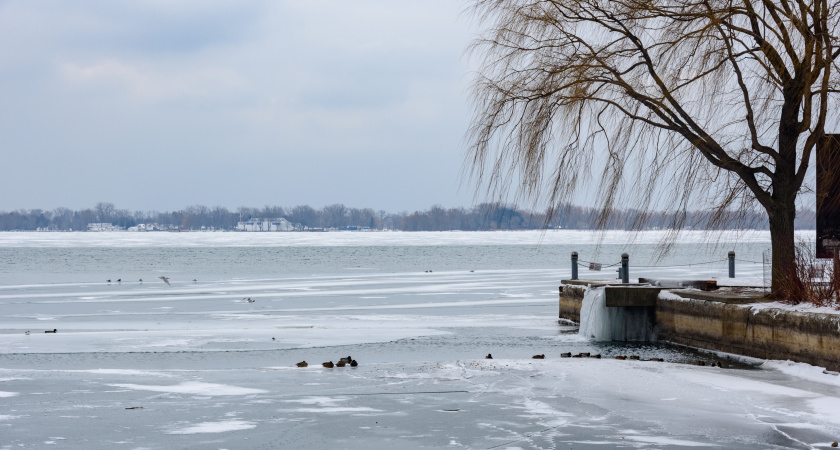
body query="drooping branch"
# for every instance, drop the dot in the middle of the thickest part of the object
(570, 82)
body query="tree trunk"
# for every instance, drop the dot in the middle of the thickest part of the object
(786, 283)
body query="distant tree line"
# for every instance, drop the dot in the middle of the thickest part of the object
(486, 216)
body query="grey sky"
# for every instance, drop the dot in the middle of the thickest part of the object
(162, 104)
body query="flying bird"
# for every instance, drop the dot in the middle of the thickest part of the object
(165, 280)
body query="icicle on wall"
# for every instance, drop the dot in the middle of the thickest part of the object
(594, 323)
(613, 324)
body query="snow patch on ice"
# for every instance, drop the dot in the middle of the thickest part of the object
(125, 372)
(195, 388)
(337, 409)
(546, 415)
(216, 427)
(803, 370)
(320, 401)
(661, 440)
(732, 383)
(327, 405)
(7, 394)
(826, 407)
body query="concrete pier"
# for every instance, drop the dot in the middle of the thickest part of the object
(727, 320)
(631, 296)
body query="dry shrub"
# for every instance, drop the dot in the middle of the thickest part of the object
(815, 282)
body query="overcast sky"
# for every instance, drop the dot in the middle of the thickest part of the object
(165, 104)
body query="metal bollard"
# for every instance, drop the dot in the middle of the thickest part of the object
(731, 264)
(574, 265)
(625, 268)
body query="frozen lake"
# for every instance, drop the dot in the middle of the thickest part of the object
(196, 365)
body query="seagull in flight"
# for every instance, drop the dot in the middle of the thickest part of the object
(165, 280)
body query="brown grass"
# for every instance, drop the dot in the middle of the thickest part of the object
(815, 282)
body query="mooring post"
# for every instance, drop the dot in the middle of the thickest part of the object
(574, 266)
(731, 264)
(625, 268)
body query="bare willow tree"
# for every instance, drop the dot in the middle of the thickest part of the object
(663, 104)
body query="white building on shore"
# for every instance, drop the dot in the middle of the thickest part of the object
(145, 227)
(103, 227)
(257, 224)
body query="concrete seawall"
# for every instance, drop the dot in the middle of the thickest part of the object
(768, 333)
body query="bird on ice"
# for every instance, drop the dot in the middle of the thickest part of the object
(165, 279)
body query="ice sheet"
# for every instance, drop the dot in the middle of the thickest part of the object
(193, 364)
(394, 238)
